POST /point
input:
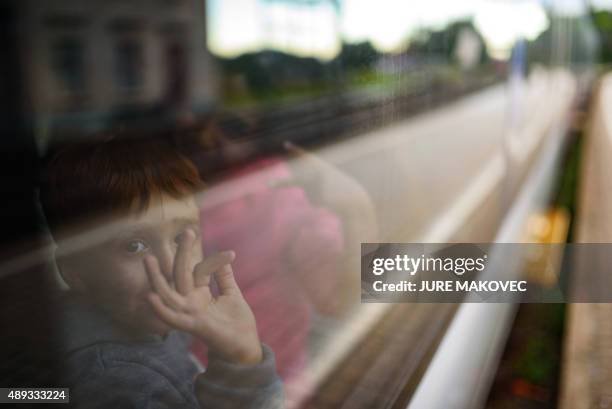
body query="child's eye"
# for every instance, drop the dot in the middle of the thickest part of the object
(136, 246)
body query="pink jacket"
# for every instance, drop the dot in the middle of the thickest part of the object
(287, 253)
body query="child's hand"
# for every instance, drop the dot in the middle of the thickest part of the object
(225, 323)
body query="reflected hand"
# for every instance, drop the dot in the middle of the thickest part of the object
(225, 322)
(328, 186)
(325, 184)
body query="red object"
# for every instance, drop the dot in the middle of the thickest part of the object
(527, 390)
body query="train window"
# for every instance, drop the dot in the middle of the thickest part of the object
(272, 138)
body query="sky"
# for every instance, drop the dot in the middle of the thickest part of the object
(602, 4)
(316, 28)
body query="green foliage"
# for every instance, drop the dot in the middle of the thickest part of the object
(358, 56)
(602, 20)
(442, 43)
(266, 71)
(573, 37)
(538, 359)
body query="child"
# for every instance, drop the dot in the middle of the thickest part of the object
(137, 277)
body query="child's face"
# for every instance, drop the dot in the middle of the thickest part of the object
(113, 274)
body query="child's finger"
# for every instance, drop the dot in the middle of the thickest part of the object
(205, 269)
(160, 284)
(168, 315)
(183, 275)
(226, 281)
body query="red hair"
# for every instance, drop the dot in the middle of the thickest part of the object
(120, 175)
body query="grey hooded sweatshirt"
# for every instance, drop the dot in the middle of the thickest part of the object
(109, 368)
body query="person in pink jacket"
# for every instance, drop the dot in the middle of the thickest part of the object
(295, 227)
(288, 254)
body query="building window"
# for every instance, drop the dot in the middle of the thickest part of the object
(68, 60)
(129, 64)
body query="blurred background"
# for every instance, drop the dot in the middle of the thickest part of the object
(317, 125)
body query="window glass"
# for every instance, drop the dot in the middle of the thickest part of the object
(278, 136)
